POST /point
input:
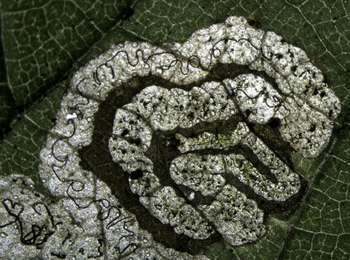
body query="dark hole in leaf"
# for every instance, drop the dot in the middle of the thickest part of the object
(136, 174)
(125, 132)
(274, 122)
(248, 112)
(252, 23)
(138, 141)
(283, 41)
(313, 128)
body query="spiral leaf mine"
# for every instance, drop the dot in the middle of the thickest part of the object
(86, 219)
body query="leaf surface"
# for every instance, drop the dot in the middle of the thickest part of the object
(44, 42)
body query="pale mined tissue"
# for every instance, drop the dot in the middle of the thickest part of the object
(85, 220)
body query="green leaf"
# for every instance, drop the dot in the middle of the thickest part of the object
(7, 110)
(43, 39)
(44, 42)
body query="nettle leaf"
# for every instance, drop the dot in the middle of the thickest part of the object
(45, 42)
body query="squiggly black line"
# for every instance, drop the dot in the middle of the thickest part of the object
(37, 235)
(102, 203)
(193, 60)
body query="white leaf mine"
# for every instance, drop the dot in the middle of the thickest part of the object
(86, 220)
